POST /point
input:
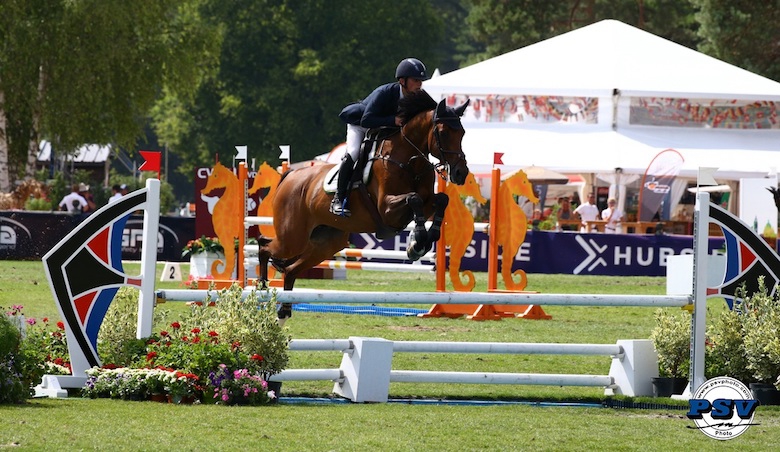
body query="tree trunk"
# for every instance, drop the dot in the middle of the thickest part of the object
(5, 183)
(33, 146)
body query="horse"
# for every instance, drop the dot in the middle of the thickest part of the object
(459, 228)
(512, 225)
(400, 189)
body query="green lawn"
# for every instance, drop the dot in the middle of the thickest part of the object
(80, 424)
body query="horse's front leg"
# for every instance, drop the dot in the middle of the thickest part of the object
(419, 244)
(263, 256)
(440, 202)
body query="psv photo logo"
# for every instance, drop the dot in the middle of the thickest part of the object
(722, 408)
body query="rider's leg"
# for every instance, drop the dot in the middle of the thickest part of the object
(355, 135)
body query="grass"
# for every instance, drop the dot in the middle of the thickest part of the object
(80, 424)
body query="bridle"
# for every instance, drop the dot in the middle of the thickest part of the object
(441, 168)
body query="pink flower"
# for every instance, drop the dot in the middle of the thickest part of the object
(31, 321)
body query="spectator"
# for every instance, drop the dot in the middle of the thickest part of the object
(87, 195)
(587, 211)
(123, 189)
(614, 218)
(116, 193)
(73, 202)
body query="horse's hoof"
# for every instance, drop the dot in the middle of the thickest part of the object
(285, 311)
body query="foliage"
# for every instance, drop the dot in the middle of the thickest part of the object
(117, 343)
(38, 204)
(190, 351)
(760, 314)
(13, 387)
(725, 349)
(202, 245)
(252, 323)
(318, 57)
(741, 33)
(94, 83)
(671, 338)
(238, 387)
(137, 384)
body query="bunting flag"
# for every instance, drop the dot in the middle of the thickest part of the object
(85, 272)
(151, 161)
(497, 158)
(285, 154)
(748, 257)
(657, 182)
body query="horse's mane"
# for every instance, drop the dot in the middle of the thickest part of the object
(413, 104)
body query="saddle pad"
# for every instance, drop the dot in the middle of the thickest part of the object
(332, 179)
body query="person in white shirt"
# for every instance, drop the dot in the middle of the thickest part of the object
(116, 193)
(614, 218)
(73, 202)
(588, 211)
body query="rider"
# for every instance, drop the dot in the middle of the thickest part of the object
(377, 110)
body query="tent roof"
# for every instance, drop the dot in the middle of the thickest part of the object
(89, 153)
(597, 59)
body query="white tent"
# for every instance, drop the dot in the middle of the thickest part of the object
(618, 97)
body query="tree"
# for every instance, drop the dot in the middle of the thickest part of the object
(87, 71)
(504, 25)
(742, 33)
(287, 67)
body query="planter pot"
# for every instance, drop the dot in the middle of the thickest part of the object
(668, 386)
(158, 398)
(765, 393)
(200, 264)
(276, 387)
(181, 400)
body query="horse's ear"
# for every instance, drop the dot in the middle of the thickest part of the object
(460, 110)
(441, 109)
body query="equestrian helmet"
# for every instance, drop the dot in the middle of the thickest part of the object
(411, 67)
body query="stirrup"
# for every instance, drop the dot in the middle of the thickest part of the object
(338, 207)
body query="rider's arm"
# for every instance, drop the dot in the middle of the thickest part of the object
(381, 107)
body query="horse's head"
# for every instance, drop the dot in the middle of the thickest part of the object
(471, 188)
(518, 184)
(266, 177)
(448, 134)
(220, 178)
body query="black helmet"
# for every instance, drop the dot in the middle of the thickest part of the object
(411, 67)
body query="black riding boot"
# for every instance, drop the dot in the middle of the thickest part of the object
(339, 204)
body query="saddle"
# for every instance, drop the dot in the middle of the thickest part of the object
(368, 149)
(362, 175)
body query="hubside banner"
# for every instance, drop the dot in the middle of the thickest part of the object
(571, 253)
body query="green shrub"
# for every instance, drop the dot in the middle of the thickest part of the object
(761, 327)
(117, 342)
(671, 338)
(725, 350)
(14, 387)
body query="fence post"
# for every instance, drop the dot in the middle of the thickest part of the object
(366, 369)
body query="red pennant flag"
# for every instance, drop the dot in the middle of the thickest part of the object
(151, 161)
(497, 158)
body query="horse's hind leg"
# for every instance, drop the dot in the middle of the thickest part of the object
(323, 244)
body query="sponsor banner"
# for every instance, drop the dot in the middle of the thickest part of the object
(30, 235)
(569, 253)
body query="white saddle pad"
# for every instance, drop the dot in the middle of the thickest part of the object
(332, 179)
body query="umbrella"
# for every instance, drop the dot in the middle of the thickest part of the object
(543, 176)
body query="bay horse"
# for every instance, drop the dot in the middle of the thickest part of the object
(400, 189)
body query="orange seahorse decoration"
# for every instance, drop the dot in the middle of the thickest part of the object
(512, 225)
(227, 217)
(458, 229)
(266, 177)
